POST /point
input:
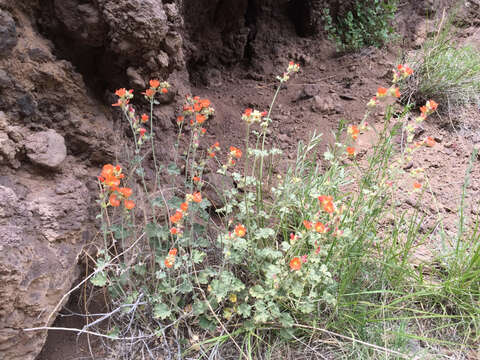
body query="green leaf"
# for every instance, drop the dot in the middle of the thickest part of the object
(174, 202)
(186, 286)
(245, 310)
(198, 256)
(286, 320)
(257, 292)
(199, 307)
(173, 169)
(206, 324)
(99, 279)
(161, 311)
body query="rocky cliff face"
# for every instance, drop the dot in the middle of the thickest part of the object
(58, 59)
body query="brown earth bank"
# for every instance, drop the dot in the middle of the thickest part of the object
(61, 61)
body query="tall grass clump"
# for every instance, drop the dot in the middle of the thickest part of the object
(313, 259)
(444, 70)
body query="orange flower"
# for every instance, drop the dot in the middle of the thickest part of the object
(381, 92)
(169, 262)
(417, 185)
(320, 228)
(126, 192)
(197, 107)
(235, 152)
(240, 230)
(149, 93)
(307, 224)
(354, 131)
(170, 259)
(432, 105)
(200, 118)
(154, 83)
(113, 200)
(327, 203)
(174, 231)
(216, 145)
(205, 103)
(164, 90)
(129, 204)
(211, 154)
(107, 170)
(196, 179)
(429, 141)
(121, 92)
(112, 181)
(295, 263)
(144, 118)
(176, 217)
(142, 131)
(187, 109)
(423, 109)
(203, 130)
(350, 151)
(184, 206)
(197, 197)
(396, 92)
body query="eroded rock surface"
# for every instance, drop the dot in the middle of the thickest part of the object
(40, 239)
(46, 148)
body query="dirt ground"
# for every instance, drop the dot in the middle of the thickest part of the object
(328, 88)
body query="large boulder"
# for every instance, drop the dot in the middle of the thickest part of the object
(40, 240)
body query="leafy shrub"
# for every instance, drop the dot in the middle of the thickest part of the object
(367, 23)
(285, 258)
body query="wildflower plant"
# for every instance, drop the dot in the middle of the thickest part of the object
(281, 256)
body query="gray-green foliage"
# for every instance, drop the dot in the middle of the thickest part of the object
(443, 71)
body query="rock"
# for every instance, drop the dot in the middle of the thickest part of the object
(35, 272)
(216, 185)
(5, 80)
(27, 105)
(173, 42)
(46, 148)
(83, 22)
(8, 34)
(8, 151)
(135, 78)
(162, 59)
(309, 91)
(323, 104)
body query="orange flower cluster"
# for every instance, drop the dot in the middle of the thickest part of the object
(327, 203)
(429, 107)
(177, 217)
(402, 72)
(170, 259)
(354, 131)
(110, 178)
(212, 149)
(198, 110)
(156, 87)
(124, 97)
(235, 153)
(292, 68)
(251, 116)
